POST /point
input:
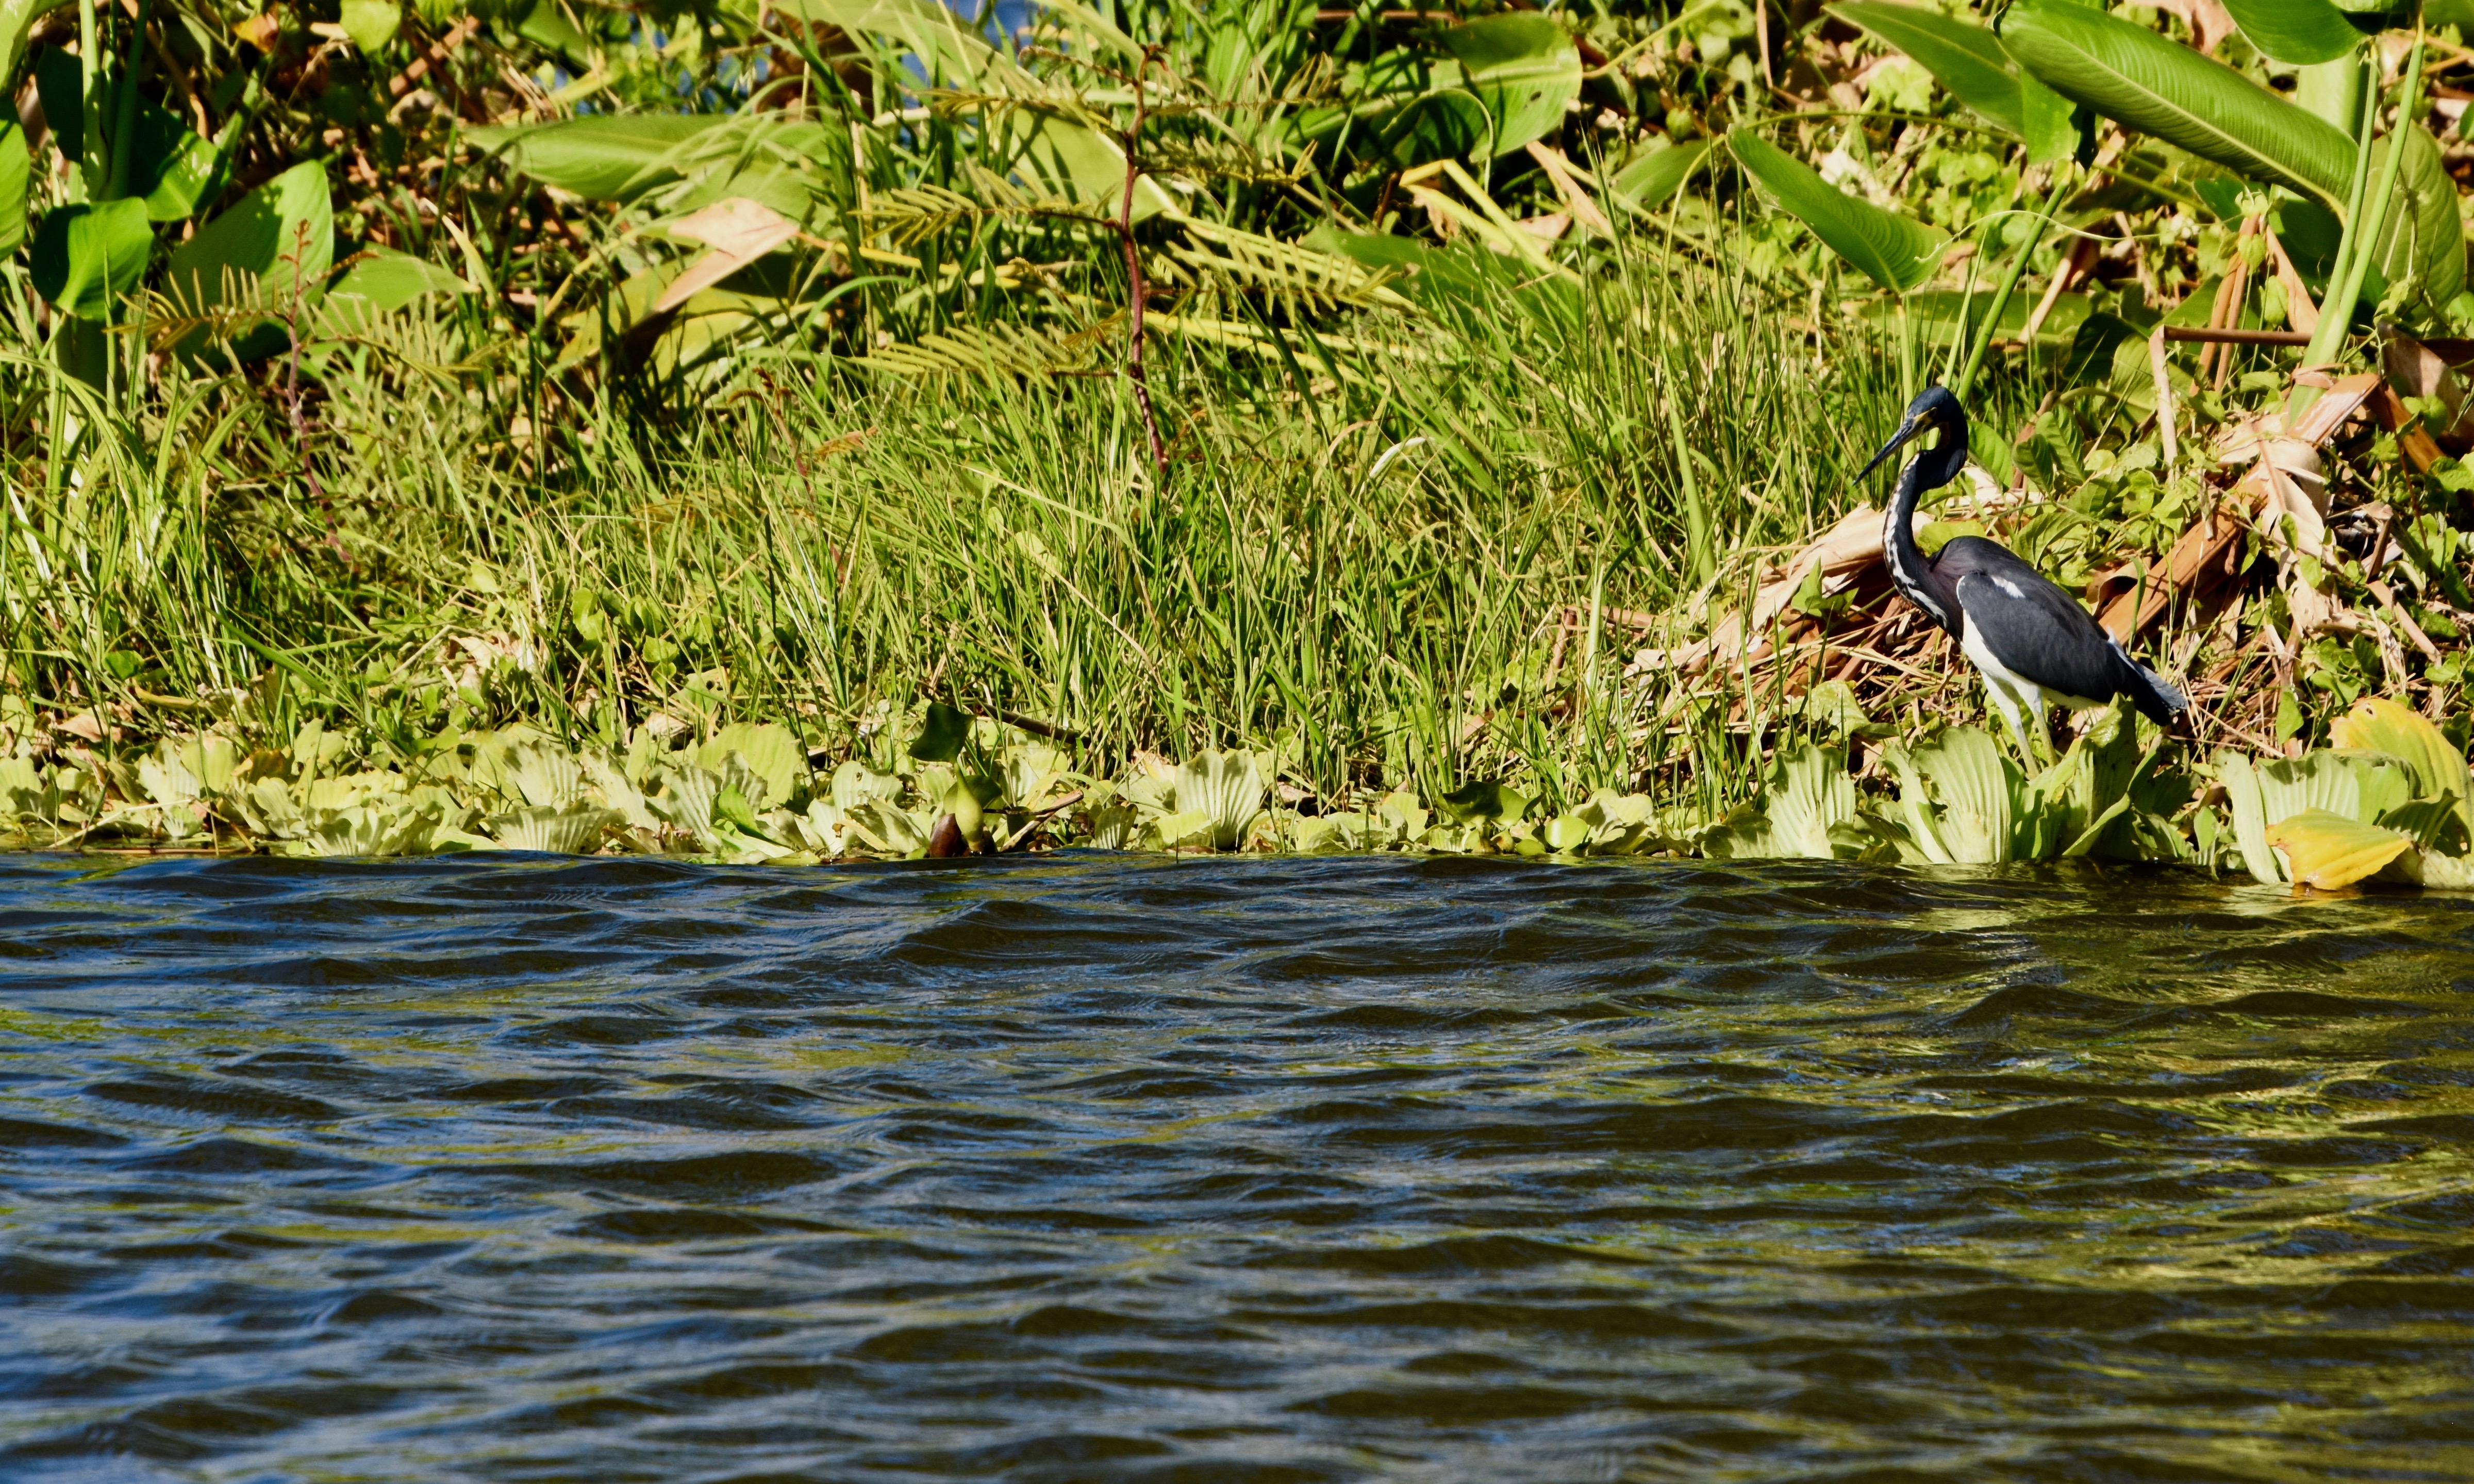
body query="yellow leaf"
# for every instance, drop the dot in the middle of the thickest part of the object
(2328, 850)
(2382, 725)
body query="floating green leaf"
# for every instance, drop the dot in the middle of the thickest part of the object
(770, 752)
(1227, 789)
(1481, 801)
(2327, 850)
(2436, 768)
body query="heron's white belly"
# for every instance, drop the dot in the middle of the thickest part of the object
(1994, 670)
(2025, 689)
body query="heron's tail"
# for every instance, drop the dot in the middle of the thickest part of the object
(2156, 697)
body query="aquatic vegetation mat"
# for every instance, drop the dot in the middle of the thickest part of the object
(2391, 800)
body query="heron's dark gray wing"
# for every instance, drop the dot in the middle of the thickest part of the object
(2035, 629)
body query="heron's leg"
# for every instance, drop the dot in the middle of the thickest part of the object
(2006, 703)
(2034, 695)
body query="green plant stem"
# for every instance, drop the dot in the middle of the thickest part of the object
(2362, 237)
(1696, 514)
(2009, 283)
(124, 130)
(89, 98)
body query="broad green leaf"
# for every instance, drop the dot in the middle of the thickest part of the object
(87, 258)
(769, 751)
(273, 247)
(600, 158)
(1227, 789)
(2140, 80)
(1893, 251)
(17, 19)
(2328, 851)
(1480, 800)
(170, 168)
(2421, 241)
(547, 26)
(2377, 725)
(14, 170)
(2130, 74)
(943, 734)
(1650, 179)
(1524, 71)
(371, 23)
(386, 279)
(2296, 30)
(2054, 127)
(1964, 58)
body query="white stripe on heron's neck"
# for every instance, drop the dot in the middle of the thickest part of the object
(1910, 583)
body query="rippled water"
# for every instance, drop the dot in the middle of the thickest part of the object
(1087, 1169)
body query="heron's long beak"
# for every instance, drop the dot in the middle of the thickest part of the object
(1906, 433)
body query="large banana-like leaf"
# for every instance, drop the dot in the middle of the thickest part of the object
(1893, 251)
(2296, 30)
(2138, 78)
(2131, 74)
(1963, 58)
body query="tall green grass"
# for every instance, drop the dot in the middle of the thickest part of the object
(1360, 559)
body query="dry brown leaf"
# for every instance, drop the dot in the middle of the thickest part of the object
(739, 232)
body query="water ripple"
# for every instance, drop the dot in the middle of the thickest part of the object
(1087, 1169)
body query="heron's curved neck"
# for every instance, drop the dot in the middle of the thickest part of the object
(1907, 566)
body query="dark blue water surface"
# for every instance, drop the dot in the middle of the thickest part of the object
(1094, 1169)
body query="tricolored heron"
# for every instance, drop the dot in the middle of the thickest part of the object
(2029, 640)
